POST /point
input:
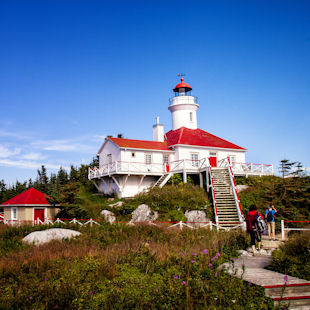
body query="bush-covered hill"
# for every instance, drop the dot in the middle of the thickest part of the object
(290, 196)
(125, 267)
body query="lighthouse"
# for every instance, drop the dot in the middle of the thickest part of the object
(183, 107)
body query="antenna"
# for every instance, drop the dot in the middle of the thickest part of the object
(180, 74)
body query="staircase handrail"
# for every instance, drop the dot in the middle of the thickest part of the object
(233, 184)
(213, 198)
(223, 162)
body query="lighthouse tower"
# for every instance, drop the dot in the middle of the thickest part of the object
(183, 107)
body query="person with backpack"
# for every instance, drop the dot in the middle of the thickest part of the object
(255, 227)
(270, 218)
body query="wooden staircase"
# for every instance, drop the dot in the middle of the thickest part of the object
(162, 180)
(224, 197)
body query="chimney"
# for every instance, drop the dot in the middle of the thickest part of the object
(158, 131)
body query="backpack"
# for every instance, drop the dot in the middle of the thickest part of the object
(269, 216)
(259, 224)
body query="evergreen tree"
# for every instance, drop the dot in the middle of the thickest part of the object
(285, 167)
(43, 180)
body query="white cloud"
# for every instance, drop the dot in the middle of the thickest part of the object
(66, 145)
(17, 135)
(5, 152)
(99, 138)
(33, 156)
(28, 164)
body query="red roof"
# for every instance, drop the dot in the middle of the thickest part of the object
(140, 144)
(29, 197)
(182, 85)
(198, 137)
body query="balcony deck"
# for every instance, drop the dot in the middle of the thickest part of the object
(179, 166)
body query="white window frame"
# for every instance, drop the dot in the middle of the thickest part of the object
(166, 162)
(232, 162)
(148, 158)
(195, 159)
(14, 214)
(109, 159)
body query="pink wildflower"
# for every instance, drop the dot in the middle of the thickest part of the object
(183, 282)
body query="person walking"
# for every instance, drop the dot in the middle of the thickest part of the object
(270, 218)
(251, 229)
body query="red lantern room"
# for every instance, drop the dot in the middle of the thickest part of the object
(182, 89)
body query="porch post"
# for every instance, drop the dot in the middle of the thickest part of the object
(201, 179)
(207, 179)
(184, 177)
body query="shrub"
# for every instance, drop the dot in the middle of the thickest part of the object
(293, 257)
(171, 201)
(125, 267)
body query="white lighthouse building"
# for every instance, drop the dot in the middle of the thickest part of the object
(128, 166)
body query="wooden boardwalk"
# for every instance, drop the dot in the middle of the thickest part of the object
(281, 288)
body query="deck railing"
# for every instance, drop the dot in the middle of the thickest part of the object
(247, 168)
(177, 166)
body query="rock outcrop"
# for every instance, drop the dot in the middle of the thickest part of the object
(108, 216)
(143, 214)
(44, 236)
(196, 216)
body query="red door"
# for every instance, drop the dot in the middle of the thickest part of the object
(213, 161)
(39, 213)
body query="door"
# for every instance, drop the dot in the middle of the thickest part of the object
(39, 213)
(213, 159)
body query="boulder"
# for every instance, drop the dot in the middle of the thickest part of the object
(244, 253)
(108, 216)
(116, 204)
(197, 216)
(241, 188)
(143, 214)
(44, 236)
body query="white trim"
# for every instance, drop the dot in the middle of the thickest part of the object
(150, 150)
(45, 212)
(30, 205)
(207, 147)
(14, 218)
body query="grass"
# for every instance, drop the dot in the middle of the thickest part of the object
(125, 267)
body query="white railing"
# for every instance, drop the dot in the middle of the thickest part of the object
(177, 166)
(236, 196)
(156, 168)
(283, 229)
(247, 168)
(214, 199)
(91, 222)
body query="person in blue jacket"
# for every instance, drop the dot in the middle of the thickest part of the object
(270, 218)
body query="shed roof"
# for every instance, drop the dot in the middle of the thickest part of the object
(29, 197)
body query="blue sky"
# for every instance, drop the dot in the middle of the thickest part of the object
(73, 72)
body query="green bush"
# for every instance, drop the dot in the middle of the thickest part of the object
(125, 267)
(171, 201)
(293, 257)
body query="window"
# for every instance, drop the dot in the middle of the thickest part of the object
(166, 159)
(148, 158)
(212, 154)
(14, 213)
(191, 116)
(232, 158)
(133, 154)
(109, 159)
(194, 159)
